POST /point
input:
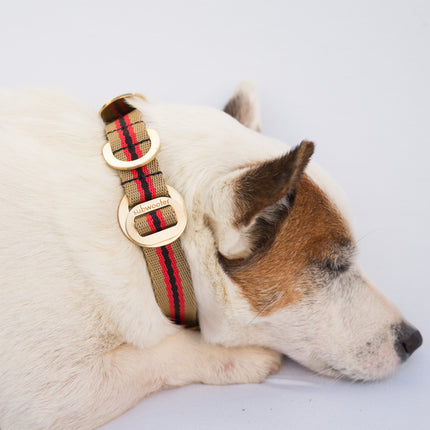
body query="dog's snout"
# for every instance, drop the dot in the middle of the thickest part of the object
(408, 339)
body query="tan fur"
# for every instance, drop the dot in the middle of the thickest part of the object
(311, 234)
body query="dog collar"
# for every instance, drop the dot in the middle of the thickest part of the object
(151, 214)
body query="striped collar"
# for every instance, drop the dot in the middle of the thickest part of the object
(152, 214)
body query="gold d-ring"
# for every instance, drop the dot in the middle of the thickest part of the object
(139, 162)
(127, 217)
(117, 107)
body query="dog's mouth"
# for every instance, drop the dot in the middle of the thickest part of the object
(326, 367)
(373, 362)
(341, 373)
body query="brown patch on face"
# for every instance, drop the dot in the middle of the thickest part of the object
(313, 233)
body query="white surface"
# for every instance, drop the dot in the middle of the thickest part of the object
(352, 76)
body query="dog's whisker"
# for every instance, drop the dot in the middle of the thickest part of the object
(268, 304)
(365, 235)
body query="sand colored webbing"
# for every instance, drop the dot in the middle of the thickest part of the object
(158, 275)
(144, 227)
(168, 267)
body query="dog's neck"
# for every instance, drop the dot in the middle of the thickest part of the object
(194, 162)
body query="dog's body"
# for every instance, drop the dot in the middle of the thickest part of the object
(82, 338)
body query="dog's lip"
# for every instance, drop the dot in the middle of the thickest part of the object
(337, 372)
(341, 373)
(326, 367)
(333, 371)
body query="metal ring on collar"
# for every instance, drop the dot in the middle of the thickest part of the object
(139, 162)
(127, 217)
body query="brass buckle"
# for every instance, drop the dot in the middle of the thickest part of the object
(117, 107)
(139, 162)
(126, 219)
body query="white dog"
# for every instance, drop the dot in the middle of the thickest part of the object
(271, 253)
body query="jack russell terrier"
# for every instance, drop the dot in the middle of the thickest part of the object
(84, 332)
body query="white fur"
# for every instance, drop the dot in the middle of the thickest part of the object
(81, 334)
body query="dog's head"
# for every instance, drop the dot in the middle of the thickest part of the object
(290, 279)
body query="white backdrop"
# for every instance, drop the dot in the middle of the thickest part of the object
(351, 75)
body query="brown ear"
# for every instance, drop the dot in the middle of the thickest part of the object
(245, 106)
(265, 184)
(247, 205)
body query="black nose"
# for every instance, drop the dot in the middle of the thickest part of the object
(408, 339)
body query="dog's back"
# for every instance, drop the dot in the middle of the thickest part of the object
(63, 285)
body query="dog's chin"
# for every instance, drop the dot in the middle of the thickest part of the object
(339, 372)
(343, 374)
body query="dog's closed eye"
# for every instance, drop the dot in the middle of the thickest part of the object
(337, 261)
(335, 267)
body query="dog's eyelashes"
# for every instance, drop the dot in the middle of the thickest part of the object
(338, 260)
(334, 267)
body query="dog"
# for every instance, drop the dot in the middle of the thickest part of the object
(269, 243)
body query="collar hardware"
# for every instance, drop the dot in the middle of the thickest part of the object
(117, 107)
(151, 214)
(126, 219)
(139, 162)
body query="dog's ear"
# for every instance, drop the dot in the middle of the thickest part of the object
(249, 204)
(244, 105)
